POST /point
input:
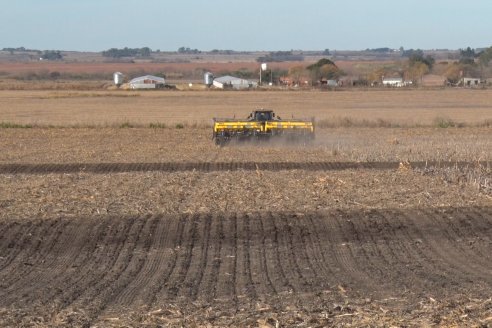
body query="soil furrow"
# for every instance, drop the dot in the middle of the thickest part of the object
(405, 249)
(12, 240)
(50, 259)
(258, 273)
(193, 283)
(185, 255)
(243, 259)
(142, 264)
(284, 285)
(433, 235)
(34, 244)
(127, 266)
(345, 253)
(101, 168)
(100, 269)
(163, 278)
(370, 255)
(453, 242)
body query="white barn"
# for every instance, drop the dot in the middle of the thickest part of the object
(393, 82)
(147, 82)
(231, 82)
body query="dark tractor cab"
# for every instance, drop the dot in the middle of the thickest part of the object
(262, 115)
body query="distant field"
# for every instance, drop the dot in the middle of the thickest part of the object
(101, 67)
(226, 64)
(104, 108)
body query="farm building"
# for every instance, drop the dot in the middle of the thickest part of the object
(147, 82)
(393, 82)
(431, 80)
(291, 81)
(471, 82)
(231, 82)
(329, 83)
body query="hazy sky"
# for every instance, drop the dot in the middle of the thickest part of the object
(97, 25)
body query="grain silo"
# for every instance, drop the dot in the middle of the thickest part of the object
(118, 78)
(208, 79)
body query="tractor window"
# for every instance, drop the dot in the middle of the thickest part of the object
(263, 116)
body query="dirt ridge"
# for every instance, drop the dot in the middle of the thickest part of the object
(224, 166)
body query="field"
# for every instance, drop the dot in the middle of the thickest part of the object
(385, 219)
(104, 108)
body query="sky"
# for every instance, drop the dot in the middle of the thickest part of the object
(248, 25)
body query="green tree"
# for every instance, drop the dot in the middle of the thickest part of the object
(484, 59)
(485, 56)
(52, 55)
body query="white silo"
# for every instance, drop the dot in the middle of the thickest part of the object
(208, 79)
(118, 78)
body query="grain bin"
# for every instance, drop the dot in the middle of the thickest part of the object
(118, 78)
(208, 79)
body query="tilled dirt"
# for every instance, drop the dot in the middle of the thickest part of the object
(224, 166)
(240, 268)
(387, 228)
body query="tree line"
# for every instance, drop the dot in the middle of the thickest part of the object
(127, 52)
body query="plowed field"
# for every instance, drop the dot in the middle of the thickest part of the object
(141, 227)
(93, 268)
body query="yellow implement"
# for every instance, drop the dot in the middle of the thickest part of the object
(262, 124)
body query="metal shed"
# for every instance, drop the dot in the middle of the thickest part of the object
(231, 82)
(147, 82)
(393, 81)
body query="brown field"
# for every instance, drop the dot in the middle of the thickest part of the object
(226, 64)
(104, 108)
(385, 219)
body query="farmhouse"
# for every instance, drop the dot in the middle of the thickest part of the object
(147, 82)
(231, 82)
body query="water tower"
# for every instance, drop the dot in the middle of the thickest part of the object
(118, 78)
(263, 67)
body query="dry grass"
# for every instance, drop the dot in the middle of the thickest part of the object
(388, 108)
(170, 144)
(60, 95)
(477, 175)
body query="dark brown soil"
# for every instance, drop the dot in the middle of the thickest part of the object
(315, 268)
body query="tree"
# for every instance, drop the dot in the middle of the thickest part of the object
(280, 56)
(296, 72)
(467, 53)
(187, 50)
(485, 56)
(324, 68)
(52, 55)
(412, 52)
(417, 71)
(330, 72)
(417, 58)
(127, 52)
(453, 73)
(418, 64)
(484, 59)
(145, 52)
